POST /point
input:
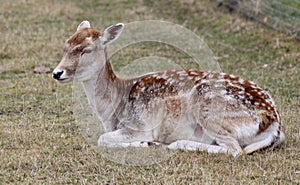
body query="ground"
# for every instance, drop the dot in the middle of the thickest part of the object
(40, 141)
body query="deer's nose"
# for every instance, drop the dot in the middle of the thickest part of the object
(57, 74)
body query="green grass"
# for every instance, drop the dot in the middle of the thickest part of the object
(39, 139)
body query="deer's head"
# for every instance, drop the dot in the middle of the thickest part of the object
(84, 52)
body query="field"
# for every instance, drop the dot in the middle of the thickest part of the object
(40, 143)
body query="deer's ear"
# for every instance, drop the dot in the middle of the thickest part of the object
(111, 33)
(84, 24)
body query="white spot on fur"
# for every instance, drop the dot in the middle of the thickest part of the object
(197, 78)
(248, 102)
(204, 81)
(190, 77)
(241, 81)
(89, 38)
(235, 85)
(252, 83)
(194, 73)
(241, 92)
(211, 75)
(182, 73)
(232, 76)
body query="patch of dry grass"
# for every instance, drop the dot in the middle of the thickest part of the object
(40, 142)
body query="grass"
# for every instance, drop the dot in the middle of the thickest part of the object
(40, 142)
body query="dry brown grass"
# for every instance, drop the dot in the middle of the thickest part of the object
(40, 142)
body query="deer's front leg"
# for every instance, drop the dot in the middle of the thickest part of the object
(126, 138)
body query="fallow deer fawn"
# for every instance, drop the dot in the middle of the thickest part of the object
(182, 109)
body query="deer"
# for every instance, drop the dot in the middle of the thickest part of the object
(181, 109)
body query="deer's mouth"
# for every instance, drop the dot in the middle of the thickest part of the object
(64, 80)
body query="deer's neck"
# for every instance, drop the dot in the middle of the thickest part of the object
(104, 93)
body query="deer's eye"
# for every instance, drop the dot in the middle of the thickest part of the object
(86, 50)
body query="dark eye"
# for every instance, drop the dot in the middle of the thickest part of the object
(86, 50)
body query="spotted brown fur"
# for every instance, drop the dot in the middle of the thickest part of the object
(150, 87)
(246, 92)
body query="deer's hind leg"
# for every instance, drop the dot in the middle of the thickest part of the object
(210, 141)
(225, 136)
(228, 145)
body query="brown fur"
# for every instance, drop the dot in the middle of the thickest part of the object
(79, 37)
(155, 88)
